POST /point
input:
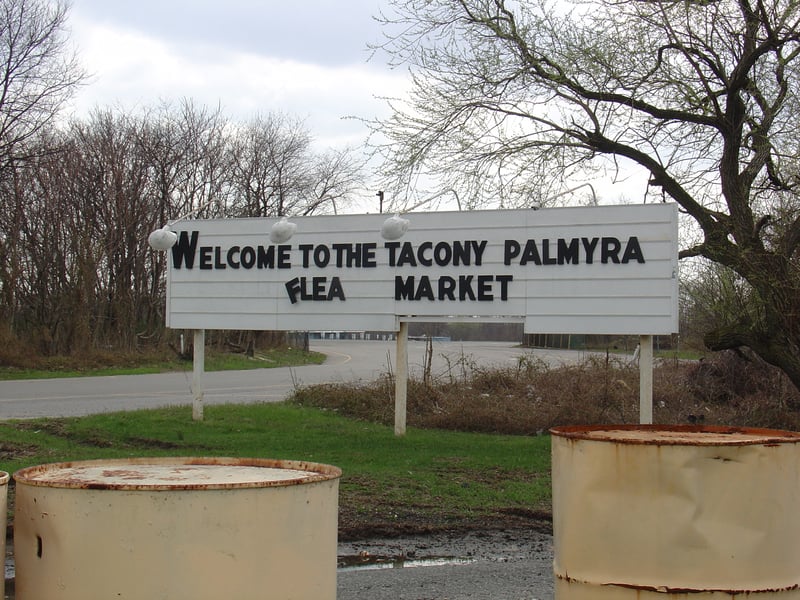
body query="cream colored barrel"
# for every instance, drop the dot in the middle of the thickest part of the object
(4, 478)
(644, 512)
(176, 528)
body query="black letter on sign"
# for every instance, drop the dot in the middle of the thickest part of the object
(512, 249)
(609, 250)
(293, 288)
(633, 251)
(568, 252)
(336, 290)
(447, 288)
(404, 290)
(184, 250)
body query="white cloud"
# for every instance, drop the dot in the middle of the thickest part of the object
(132, 69)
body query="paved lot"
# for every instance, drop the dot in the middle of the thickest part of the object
(477, 566)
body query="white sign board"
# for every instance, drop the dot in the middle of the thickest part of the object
(609, 269)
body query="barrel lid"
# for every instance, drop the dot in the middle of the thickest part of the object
(688, 435)
(158, 474)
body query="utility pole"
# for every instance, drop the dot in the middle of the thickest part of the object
(380, 199)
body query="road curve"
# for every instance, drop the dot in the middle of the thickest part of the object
(347, 360)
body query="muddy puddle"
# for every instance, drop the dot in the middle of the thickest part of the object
(370, 562)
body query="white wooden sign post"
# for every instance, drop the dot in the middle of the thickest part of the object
(646, 379)
(198, 360)
(590, 270)
(401, 380)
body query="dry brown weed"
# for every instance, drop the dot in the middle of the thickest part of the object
(728, 389)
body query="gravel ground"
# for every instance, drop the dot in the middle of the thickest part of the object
(504, 565)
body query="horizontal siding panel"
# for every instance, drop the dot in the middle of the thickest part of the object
(598, 307)
(283, 322)
(620, 325)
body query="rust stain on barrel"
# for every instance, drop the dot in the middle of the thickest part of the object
(678, 435)
(171, 473)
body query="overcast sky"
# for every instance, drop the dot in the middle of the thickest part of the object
(308, 59)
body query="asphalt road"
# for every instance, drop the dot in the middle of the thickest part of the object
(346, 361)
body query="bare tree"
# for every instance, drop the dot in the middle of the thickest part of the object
(39, 73)
(336, 175)
(268, 166)
(202, 179)
(184, 147)
(702, 95)
(276, 172)
(76, 273)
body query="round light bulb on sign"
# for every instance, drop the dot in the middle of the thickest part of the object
(282, 231)
(394, 227)
(162, 239)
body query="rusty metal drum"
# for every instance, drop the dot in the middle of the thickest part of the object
(176, 528)
(649, 512)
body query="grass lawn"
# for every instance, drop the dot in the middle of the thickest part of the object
(425, 480)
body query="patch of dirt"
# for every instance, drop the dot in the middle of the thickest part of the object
(392, 522)
(15, 450)
(54, 427)
(136, 442)
(367, 512)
